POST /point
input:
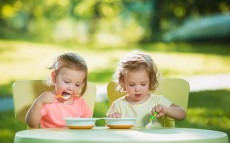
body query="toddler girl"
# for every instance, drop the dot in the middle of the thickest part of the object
(69, 78)
(137, 75)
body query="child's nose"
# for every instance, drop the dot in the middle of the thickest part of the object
(137, 88)
(71, 87)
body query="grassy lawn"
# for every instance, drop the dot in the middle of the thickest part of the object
(25, 60)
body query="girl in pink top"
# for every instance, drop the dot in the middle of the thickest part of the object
(69, 78)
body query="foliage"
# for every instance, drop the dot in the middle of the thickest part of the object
(107, 21)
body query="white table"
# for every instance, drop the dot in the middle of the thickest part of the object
(106, 135)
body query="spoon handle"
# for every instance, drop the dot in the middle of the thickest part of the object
(153, 116)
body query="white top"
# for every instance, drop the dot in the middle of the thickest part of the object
(105, 135)
(141, 111)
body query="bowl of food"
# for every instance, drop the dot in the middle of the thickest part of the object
(80, 123)
(120, 123)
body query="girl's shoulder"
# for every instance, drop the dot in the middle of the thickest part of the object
(152, 95)
(120, 100)
(160, 99)
(156, 97)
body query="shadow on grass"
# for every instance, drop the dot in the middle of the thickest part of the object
(201, 48)
(9, 126)
(216, 48)
(208, 110)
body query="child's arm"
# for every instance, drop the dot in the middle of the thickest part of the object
(174, 111)
(33, 115)
(113, 113)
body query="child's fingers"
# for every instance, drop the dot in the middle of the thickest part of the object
(160, 114)
(115, 115)
(51, 98)
(153, 111)
(159, 109)
(112, 115)
(118, 115)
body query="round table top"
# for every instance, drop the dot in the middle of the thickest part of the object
(106, 135)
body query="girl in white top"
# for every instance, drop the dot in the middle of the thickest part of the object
(137, 75)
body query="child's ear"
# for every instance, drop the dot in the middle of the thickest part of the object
(53, 76)
(123, 85)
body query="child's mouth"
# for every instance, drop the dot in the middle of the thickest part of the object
(66, 95)
(137, 95)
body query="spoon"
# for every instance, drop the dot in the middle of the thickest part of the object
(64, 96)
(151, 120)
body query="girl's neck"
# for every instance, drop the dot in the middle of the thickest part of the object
(69, 101)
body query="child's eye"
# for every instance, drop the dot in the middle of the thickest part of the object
(131, 85)
(77, 85)
(143, 84)
(66, 81)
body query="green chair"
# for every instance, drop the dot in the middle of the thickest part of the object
(175, 89)
(26, 91)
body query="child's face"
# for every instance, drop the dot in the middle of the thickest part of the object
(137, 85)
(69, 81)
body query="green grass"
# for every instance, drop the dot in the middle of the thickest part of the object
(206, 110)
(9, 126)
(26, 60)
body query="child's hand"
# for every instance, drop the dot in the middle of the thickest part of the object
(46, 97)
(161, 109)
(115, 115)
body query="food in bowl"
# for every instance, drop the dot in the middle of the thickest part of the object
(80, 123)
(120, 123)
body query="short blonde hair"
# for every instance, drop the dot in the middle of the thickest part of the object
(135, 61)
(70, 61)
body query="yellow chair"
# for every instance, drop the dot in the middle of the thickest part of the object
(26, 91)
(176, 90)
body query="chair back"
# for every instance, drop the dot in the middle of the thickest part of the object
(26, 91)
(175, 89)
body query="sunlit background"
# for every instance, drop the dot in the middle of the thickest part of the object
(187, 39)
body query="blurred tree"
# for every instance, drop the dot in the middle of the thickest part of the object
(100, 20)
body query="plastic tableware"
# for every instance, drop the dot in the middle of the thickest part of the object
(64, 96)
(149, 125)
(80, 123)
(120, 123)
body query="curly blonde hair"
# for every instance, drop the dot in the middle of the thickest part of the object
(135, 61)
